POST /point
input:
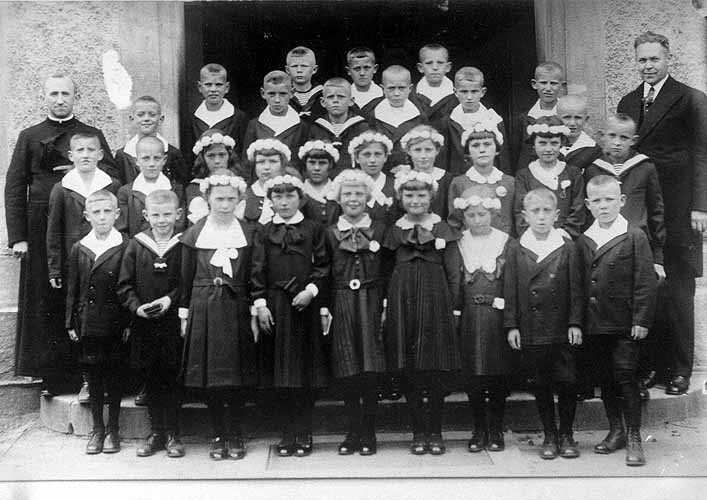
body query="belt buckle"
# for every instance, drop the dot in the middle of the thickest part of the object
(355, 284)
(218, 281)
(478, 299)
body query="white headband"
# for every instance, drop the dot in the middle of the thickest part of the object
(265, 145)
(216, 138)
(318, 145)
(482, 127)
(283, 179)
(349, 176)
(367, 137)
(406, 174)
(432, 135)
(547, 129)
(474, 200)
(223, 180)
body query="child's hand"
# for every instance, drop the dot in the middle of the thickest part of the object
(639, 332)
(302, 300)
(126, 334)
(72, 335)
(254, 328)
(514, 339)
(659, 271)
(265, 321)
(183, 327)
(574, 335)
(55, 283)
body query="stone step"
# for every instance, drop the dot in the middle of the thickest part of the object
(63, 414)
(19, 395)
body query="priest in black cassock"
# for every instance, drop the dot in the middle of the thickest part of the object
(40, 159)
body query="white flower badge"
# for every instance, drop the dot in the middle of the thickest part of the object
(374, 246)
(440, 243)
(498, 303)
(565, 184)
(501, 191)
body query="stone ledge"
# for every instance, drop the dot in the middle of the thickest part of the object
(19, 395)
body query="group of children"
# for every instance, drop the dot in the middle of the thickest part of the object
(370, 247)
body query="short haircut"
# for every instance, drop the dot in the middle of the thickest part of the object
(483, 134)
(469, 74)
(277, 77)
(101, 195)
(148, 99)
(542, 194)
(621, 118)
(650, 37)
(432, 47)
(161, 197)
(213, 69)
(319, 154)
(360, 53)
(550, 67)
(84, 135)
(61, 76)
(150, 138)
(571, 100)
(396, 70)
(301, 51)
(337, 81)
(603, 180)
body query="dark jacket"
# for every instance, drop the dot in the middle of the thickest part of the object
(175, 168)
(233, 126)
(321, 129)
(132, 203)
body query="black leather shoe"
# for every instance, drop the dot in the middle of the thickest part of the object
(303, 445)
(154, 443)
(615, 440)
(496, 442)
(550, 449)
(477, 442)
(643, 391)
(650, 379)
(175, 448)
(236, 447)
(634, 450)
(95, 443)
(418, 445)
(218, 451)
(368, 446)
(349, 445)
(677, 386)
(286, 447)
(112, 442)
(435, 445)
(84, 396)
(47, 393)
(141, 397)
(568, 447)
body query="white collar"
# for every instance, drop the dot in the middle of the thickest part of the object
(363, 98)
(144, 187)
(278, 124)
(542, 248)
(435, 94)
(295, 219)
(583, 141)
(343, 225)
(258, 189)
(602, 236)
(548, 177)
(150, 243)
(482, 252)
(72, 180)
(656, 87)
(395, 116)
(475, 176)
(352, 120)
(536, 111)
(432, 219)
(466, 120)
(618, 169)
(60, 120)
(379, 183)
(211, 118)
(436, 173)
(213, 236)
(99, 247)
(377, 194)
(316, 193)
(131, 145)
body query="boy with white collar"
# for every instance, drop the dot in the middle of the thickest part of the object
(435, 92)
(581, 149)
(361, 66)
(147, 115)
(301, 65)
(620, 285)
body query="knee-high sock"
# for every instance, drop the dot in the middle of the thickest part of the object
(546, 409)
(96, 391)
(567, 406)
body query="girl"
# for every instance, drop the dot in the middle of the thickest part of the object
(356, 298)
(547, 136)
(421, 343)
(213, 151)
(478, 292)
(269, 157)
(290, 268)
(482, 142)
(219, 352)
(422, 145)
(319, 158)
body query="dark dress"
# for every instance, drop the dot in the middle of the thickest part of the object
(219, 350)
(440, 202)
(287, 257)
(505, 191)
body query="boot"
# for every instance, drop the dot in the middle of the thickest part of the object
(632, 412)
(479, 436)
(546, 408)
(497, 406)
(368, 445)
(84, 396)
(351, 442)
(175, 448)
(634, 450)
(141, 396)
(616, 438)
(151, 445)
(550, 448)
(567, 406)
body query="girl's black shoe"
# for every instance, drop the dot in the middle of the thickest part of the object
(418, 445)
(477, 442)
(435, 445)
(218, 448)
(496, 442)
(303, 445)
(236, 447)
(349, 445)
(369, 446)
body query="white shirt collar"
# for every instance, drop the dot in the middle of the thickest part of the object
(99, 247)
(482, 252)
(602, 236)
(435, 94)
(548, 177)
(618, 169)
(131, 145)
(536, 111)
(475, 176)
(60, 120)
(211, 118)
(278, 124)
(656, 87)
(258, 189)
(295, 219)
(466, 120)
(343, 225)
(386, 113)
(542, 248)
(149, 242)
(144, 187)
(432, 219)
(72, 180)
(351, 120)
(583, 141)
(363, 98)
(317, 193)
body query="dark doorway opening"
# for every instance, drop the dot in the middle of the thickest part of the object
(251, 38)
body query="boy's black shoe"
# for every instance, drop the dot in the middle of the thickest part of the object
(615, 440)
(349, 445)
(435, 444)
(568, 447)
(477, 442)
(677, 386)
(218, 448)
(236, 447)
(643, 391)
(111, 443)
(175, 448)
(95, 443)
(650, 379)
(368, 446)
(84, 396)
(141, 397)
(418, 445)
(550, 449)
(151, 445)
(303, 445)
(496, 442)
(634, 450)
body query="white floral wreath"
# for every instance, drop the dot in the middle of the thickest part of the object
(406, 174)
(216, 138)
(367, 137)
(474, 200)
(349, 176)
(432, 135)
(544, 128)
(318, 145)
(282, 179)
(482, 127)
(268, 144)
(223, 180)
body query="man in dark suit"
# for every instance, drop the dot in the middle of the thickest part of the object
(672, 130)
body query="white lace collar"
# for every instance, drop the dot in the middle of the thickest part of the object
(602, 236)
(278, 124)
(548, 177)
(131, 146)
(343, 225)
(481, 252)
(99, 247)
(583, 141)
(295, 219)
(72, 180)
(142, 186)
(618, 169)
(149, 242)
(435, 94)
(211, 118)
(395, 116)
(316, 193)
(467, 120)
(213, 236)
(429, 222)
(536, 111)
(475, 176)
(350, 121)
(542, 248)
(363, 98)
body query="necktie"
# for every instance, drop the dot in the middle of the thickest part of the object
(648, 100)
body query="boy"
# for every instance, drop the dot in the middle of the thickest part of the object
(361, 66)
(468, 91)
(621, 288)
(215, 111)
(395, 115)
(149, 286)
(549, 83)
(582, 150)
(340, 124)
(543, 315)
(147, 115)
(94, 316)
(301, 65)
(434, 91)
(279, 119)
